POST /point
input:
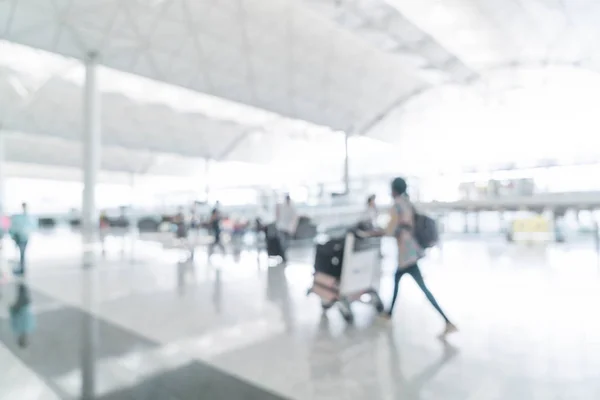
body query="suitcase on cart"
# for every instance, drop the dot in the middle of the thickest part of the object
(274, 247)
(273, 242)
(329, 257)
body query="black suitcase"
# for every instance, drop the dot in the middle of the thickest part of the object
(329, 257)
(273, 241)
(274, 247)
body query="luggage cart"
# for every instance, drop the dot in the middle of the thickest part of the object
(359, 278)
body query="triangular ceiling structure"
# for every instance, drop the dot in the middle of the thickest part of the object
(272, 54)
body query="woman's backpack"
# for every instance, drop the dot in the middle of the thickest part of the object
(425, 230)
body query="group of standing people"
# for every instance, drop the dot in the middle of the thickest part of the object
(183, 226)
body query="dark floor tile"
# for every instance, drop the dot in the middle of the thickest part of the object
(145, 391)
(68, 340)
(194, 381)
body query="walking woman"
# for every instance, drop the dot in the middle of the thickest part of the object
(409, 251)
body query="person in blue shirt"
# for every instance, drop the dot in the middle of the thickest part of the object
(22, 320)
(21, 227)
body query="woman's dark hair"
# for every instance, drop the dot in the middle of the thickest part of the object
(399, 186)
(370, 199)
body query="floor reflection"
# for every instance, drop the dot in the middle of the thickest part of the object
(22, 319)
(89, 340)
(186, 275)
(361, 363)
(217, 291)
(410, 388)
(278, 293)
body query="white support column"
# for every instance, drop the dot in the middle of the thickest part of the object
(2, 174)
(207, 164)
(89, 337)
(3, 210)
(346, 164)
(133, 217)
(92, 147)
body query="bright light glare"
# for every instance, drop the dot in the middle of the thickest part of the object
(511, 117)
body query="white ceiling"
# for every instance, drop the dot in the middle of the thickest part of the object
(22, 148)
(52, 109)
(487, 34)
(56, 110)
(273, 54)
(385, 27)
(463, 42)
(49, 103)
(271, 80)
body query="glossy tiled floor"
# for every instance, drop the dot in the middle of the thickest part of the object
(142, 325)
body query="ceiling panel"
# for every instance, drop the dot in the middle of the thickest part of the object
(389, 29)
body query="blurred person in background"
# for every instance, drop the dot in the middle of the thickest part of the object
(369, 220)
(181, 228)
(214, 226)
(264, 217)
(195, 222)
(4, 227)
(104, 223)
(21, 227)
(104, 226)
(240, 225)
(286, 218)
(371, 213)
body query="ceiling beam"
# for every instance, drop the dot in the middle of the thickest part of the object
(230, 148)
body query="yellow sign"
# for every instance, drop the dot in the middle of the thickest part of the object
(536, 224)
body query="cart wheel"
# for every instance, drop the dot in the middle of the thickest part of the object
(346, 311)
(377, 302)
(379, 306)
(348, 317)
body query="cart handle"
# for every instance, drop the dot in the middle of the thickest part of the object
(366, 234)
